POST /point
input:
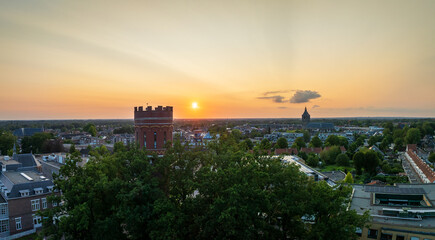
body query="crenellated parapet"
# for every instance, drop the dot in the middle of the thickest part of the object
(153, 127)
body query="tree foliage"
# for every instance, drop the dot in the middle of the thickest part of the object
(315, 142)
(91, 129)
(215, 192)
(282, 143)
(7, 141)
(348, 178)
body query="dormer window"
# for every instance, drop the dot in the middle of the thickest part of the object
(24, 193)
(50, 188)
(38, 190)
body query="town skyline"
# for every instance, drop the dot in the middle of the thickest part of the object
(70, 60)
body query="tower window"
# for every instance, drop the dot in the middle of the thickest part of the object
(164, 137)
(155, 139)
(145, 139)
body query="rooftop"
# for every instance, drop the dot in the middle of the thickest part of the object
(20, 177)
(7, 161)
(408, 205)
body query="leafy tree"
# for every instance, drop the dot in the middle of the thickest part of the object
(332, 140)
(432, 157)
(246, 144)
(299, 143)
(398, 144)
(91, 129)
(427, 128)
(413, 136)
(348, 178)
(7, 141)
(306, 136)
(358, 161)
(202, 193)
(40, 143)
(119, 147)
(72, 149)
(329, 156)
(371, 162)
(342, 160)
(315, 142)
(265, 144)
(282, 143)
(313, 160)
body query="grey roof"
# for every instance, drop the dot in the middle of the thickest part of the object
(15, 182)
(320, 125)
(27, 132)
(335, 175)
(393, 190)
(27, 159)
(362, 201)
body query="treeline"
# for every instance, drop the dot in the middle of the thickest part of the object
(214, 192)
(41, 143)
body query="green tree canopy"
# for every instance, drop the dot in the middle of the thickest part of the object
(202, 193)
(282, 143)
(299, 143)
(413, 136)
(342, 160)
(348, 178)
(315, 142)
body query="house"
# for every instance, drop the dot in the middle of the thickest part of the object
(400, 212)
(424, 172)
(289, 151)
(24, 191)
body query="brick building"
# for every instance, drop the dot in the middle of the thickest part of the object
(153, 127)
(24, 191)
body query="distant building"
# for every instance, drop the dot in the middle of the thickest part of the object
(323, 127)
(424, 172)
(305, 117)
(400, 212)
(27, 132)
(153, 128)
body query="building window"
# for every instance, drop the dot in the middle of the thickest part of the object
(415, 238)
(400, 237)
(3, 209)
(50, 188)
(372, 234)
(4, 226)
(24, 193)
(18, 223)
(164, 137)
(37, 220)
(44, 203)
(38, 190)
(155, 139)
(145, 140)
(386, 236)
(54, 204)
(35, 205)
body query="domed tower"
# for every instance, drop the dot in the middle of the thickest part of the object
(305, 117)
(153, 127)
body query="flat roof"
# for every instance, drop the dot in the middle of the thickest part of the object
(362, 201)
(7, 162)
(18, 178)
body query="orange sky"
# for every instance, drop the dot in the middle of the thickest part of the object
(256, 59)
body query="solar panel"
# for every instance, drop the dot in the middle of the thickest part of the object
(395, 190)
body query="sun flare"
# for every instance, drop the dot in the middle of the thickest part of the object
(194, 105)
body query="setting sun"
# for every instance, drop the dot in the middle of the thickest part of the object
(194, 105)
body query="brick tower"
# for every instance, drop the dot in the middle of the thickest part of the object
(153, 127)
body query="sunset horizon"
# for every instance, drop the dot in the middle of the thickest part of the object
(70, 60)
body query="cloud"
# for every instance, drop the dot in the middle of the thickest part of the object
(302, 96)
(315, 106)
(274, 92)
(277, 98)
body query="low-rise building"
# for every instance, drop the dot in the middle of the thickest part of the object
(401, 212)
(24, 191)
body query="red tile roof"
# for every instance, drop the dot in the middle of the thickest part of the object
(427, 171)
(291, 151)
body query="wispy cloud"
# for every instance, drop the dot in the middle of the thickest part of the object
(274, 92)
(315, 106)
(302, 96)
(277, 98)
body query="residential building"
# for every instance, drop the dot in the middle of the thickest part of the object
(401, 212)
(24, 191)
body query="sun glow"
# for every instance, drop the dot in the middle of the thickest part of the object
(194, 105)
